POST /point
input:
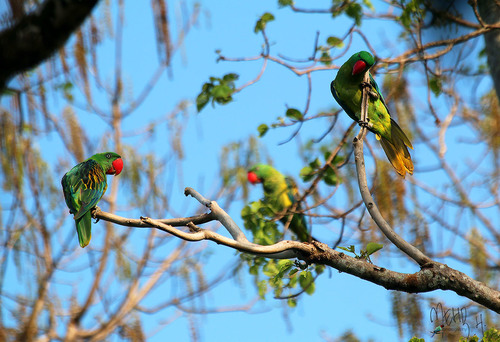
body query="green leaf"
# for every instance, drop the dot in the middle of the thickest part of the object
(221, 93)
(355, 11)
(335, 41)
(262, 22)
(202, 100)
(262, 286)
(262, 129)
(315, 164)
(350, 249)
(415, 339)
(369, 4)
(293, 113)
(311, 288)
(306, 280)
(219, 90)
(307, 173)
(291, 302)
(435, 84)
(285, 3)
(254, 270)
(372, 247)
(331, 178)
(231, 77)
(325, 58)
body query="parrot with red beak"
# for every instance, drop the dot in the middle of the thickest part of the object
(346, 88)
(280, 192)
(84, 185)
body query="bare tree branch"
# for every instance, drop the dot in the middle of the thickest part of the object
(432, 275)
(38, 35)
(407, 248)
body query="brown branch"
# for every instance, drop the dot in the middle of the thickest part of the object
(398, 241)
(39, 35)
(432, 275)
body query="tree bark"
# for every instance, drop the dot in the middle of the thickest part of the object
(490, 13)
(38, 35)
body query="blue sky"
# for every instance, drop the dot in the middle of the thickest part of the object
(341, 301)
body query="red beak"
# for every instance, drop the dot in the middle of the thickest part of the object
(252, 177)
(359, 67)
(116, 168)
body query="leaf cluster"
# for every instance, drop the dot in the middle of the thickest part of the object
(218, 90)
(371, 247)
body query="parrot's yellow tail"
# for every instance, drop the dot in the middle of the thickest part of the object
(397, 151)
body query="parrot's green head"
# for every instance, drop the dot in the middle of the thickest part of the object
(110, 162)
(360, 62)
(258, 173)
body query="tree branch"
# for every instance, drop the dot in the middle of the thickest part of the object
(39, 35)
(398, 241)
(432, 275)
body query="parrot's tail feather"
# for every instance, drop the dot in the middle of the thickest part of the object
(83, 228)
(396, 150)
(398, 134)
(398, 155)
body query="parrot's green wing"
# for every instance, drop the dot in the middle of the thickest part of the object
(377, 90)
(87, 185)
(346, 89)
(83, 187)
(342, 104)
(298, 224)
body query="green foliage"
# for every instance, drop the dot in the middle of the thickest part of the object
(262, 129)
(371, 247)
(335, 42)
(66, 88)
(282, 276)
(325, 58)
(294, 114)
(262, 22)
(255, 218)
(329, 175)
(412, 10)
(416, 339)
(491, 335)
(285, 278)
(285, 3)
(219, 90)
(436, 85)
(355, 11)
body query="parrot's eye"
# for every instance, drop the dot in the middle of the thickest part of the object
(108, 155)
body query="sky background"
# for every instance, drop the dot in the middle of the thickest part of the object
(341, 301)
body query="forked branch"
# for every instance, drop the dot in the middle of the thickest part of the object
(432, 276)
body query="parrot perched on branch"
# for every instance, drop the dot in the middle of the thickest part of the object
(84, 185)
(346, 88)
(280, 193)
(438, 330)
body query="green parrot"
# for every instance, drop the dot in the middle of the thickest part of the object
(438, 330)
(347, 90)
(84, 185)
(281, 193)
